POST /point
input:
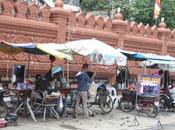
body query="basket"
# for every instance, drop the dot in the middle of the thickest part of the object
(3, 123)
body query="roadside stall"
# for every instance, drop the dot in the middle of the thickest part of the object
(22, 89)
(166, 100)
(148, 85)
(97, 51)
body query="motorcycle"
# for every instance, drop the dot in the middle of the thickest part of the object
(144, 104)
(6, 106)
(3, 106)
(166, 102)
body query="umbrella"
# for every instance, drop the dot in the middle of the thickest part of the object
(147, 56)
(98, 51)
(50, 48)
(168, 65)
(31, 48)
(131, 55)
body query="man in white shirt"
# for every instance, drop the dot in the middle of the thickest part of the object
(172, 89)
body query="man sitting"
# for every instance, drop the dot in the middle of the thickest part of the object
(172, 89)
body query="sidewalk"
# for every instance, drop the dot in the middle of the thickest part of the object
(116, 120)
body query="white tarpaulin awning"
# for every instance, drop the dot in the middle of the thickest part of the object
(98, 51)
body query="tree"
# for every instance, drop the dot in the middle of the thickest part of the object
(135, 10)
(142, 11)
(92, 5)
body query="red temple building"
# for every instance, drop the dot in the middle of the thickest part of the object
(22, 23)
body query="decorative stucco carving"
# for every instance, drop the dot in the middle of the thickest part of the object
(107, 24)
(44, 13)
(33, 12)
(133, 27)
(99, 23)
(72, 18)
(148, 30)
(141, 29)
(7, 7)
(21, 9)
(90, 21)
(80, 19)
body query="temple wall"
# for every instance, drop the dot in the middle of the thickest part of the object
(22, 23)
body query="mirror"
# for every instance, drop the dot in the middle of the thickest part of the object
(18, 74)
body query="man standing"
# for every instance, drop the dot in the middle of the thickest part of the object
(84, 82)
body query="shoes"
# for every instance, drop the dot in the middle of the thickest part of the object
(74, 116)
(92, 115)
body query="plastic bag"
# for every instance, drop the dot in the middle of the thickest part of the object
(60, 102)
(93, 88)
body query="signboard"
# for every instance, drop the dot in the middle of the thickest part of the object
(148, 85)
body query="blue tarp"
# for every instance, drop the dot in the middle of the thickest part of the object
(147, 56)
(18, 48)
(56, 69)
(32, 48)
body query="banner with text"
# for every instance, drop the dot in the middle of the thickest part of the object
(148, 85)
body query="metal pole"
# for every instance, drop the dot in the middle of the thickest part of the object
(126, 70)
(28, 67)
(69, 31)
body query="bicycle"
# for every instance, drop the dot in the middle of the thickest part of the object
(103, 99)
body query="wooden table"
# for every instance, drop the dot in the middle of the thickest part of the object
(66, 91)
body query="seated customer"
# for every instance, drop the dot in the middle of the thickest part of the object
(53, 87)
(172, 89)
(41, 83)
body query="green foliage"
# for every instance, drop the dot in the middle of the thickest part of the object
(91, 5)
(142, 11)
(136, 10)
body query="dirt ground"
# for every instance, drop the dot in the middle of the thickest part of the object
(116, 120)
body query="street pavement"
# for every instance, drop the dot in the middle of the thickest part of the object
(116, 120)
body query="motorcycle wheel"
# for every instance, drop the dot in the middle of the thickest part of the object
(126, 106)
(3, 110)
(152, 111)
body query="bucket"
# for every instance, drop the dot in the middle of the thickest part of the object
(3, 123)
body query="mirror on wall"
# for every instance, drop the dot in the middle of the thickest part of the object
(18, 74)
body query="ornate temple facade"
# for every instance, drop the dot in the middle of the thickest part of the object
(22, 23)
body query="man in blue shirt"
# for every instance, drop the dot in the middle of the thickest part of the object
(84, 82)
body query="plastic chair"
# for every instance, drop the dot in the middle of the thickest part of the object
(41, 102)
(113, 94)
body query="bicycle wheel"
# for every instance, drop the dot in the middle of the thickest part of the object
(152, 110)
(126, 106)
(3, 110)
(106, 103)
